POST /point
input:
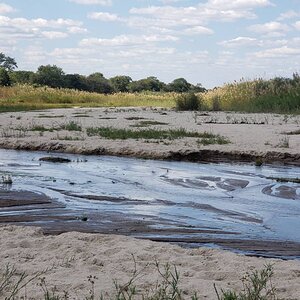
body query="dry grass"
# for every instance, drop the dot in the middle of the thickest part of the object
(25, 97)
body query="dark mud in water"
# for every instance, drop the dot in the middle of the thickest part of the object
(220, 205)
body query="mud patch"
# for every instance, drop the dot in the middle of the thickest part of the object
(282, 191)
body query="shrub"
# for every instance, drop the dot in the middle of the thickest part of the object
(189, 101)
(257, 286)
(216, 103)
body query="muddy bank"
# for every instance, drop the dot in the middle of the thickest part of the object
(201, 156)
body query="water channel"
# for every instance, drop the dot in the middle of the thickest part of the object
(233, 206)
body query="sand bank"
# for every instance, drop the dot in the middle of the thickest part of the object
(251, 135)
(72, 257)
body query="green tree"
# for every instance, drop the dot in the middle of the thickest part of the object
(179, 85)
(6, 62)
(4, 78)
(75, 81)
(21, 77)
(198, 88)
(147, 84)
(52, 76)
(120, 83)
(97, 83)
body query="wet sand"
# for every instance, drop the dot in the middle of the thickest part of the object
(34, 209)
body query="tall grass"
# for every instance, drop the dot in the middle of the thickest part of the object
(26, 97)
(279, 95)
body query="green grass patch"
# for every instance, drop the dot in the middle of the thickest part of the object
(218, 139)
(41, 128)
(123, 134)
(72, 126)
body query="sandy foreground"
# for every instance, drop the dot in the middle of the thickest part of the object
(251, 135)
(72, 257)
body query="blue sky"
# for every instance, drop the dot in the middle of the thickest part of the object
(209, 41)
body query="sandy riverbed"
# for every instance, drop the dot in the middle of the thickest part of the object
(251, 135)
(72, 257)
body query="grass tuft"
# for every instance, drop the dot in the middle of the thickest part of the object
(122, 134)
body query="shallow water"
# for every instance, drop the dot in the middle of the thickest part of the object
(176, 201)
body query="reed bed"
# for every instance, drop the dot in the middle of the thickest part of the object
(278, 95)
(26, 97)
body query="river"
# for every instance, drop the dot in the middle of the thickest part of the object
(233, 206)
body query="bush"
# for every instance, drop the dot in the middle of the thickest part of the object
(188, 101)
(216, 103)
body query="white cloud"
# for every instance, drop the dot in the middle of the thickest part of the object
(165, 2)
(297, 25)
(22, 28)
(51, 35)
(194, 16)
(198, 30)
(127, 40)
(281, 52)
(24, 23)
(270, 29)
(76, 29)
(5, 9)
(238, 4)
(239, 42)
(104, 16)
(291, 14)
(93, 2)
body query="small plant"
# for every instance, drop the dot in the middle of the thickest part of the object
(188, 101)
(258, 162)
(40, 128)
(284, 143)
(219, 140)
(12, 282)
(51, 294)
(68, 138)
(256, 286)
(72, 126)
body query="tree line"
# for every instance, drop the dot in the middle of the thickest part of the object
(54, 76)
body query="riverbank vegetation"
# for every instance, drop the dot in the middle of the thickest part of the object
(51, 87)
(279, 95)
(257, 285)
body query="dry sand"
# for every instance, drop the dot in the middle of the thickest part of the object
(72, 257)
(251, 135)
